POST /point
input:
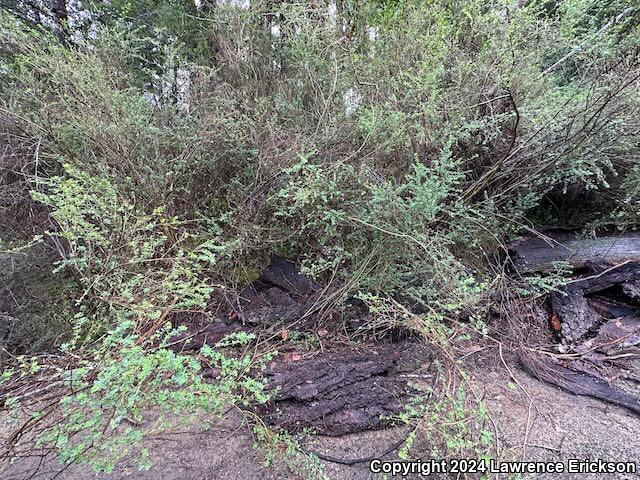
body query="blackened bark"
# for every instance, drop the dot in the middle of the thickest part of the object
(578, 311)
(579, 382)
(337, 393)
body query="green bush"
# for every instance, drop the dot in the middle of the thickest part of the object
(391, 147)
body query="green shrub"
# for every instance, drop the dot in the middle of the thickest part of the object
(390, 148)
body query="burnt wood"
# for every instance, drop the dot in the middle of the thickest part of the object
(581, 316)
(337, 393)
(579, 382)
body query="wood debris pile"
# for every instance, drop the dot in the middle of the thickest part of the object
(595, 317)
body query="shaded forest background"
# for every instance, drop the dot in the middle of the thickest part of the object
(156, 154)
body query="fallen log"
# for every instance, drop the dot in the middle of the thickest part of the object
(280, 296)
(287, 276)
(596, 315)
(280, 316)
(538, 253)
(579, 382)
(580, 315)
(337, 393)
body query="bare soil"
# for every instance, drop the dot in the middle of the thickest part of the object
(536, 421)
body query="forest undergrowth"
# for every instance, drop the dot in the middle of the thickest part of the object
(156, 154)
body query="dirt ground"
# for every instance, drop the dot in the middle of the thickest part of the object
(556, 426)
(560, 426)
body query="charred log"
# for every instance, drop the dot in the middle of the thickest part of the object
(579, 382)
(580, 315)
(281, 295)
(337, 393)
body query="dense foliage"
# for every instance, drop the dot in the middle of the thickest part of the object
(161, 151)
